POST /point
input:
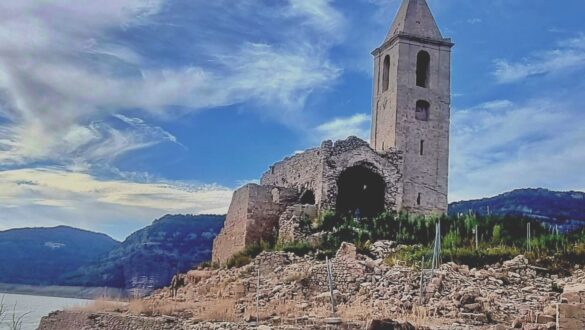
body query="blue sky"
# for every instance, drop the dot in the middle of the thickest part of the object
(113, 113)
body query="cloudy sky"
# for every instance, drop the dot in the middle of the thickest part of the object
(115, 112)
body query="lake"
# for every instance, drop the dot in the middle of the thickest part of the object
(35, 306)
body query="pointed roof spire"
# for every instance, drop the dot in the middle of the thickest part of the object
(415, 19)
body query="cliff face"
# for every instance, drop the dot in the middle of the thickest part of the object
(150, 257)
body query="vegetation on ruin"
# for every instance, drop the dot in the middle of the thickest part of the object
(499, 238)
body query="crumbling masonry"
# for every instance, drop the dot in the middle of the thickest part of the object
(404, 168)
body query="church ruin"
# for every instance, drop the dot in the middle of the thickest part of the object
(404, 167)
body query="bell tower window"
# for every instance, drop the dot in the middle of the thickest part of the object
(386, 73)
(422, 110)
(423, 63)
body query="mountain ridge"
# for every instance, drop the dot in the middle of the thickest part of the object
(565, 209)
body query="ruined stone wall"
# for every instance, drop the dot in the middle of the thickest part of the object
(266, 204)
(232, 237)
(319, 170)
(356, 152)
(302, 171)
(292, 226)
(572, 310)
(252, 217)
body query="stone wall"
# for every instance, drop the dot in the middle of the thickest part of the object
(252, 216)
(302, 172)
(292, 225)
(352, 152)
(572, 310)
(319, 169)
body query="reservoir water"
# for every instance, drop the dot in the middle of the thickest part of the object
(35, 307)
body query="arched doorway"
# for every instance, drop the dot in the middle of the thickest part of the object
(359, 188)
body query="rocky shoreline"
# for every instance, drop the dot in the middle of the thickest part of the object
(293, 294)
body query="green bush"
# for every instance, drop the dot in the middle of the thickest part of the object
(298, 248)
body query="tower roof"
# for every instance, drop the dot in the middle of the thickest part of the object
(415, 19)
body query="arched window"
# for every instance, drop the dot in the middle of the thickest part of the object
(386, 73)
(308, 197)
(423, 63)
(422, 110)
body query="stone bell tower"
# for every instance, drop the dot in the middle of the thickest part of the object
(411, 105)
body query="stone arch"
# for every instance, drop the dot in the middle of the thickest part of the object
(361, 188)
(423, 65)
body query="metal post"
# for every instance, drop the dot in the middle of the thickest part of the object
(258, 297)
(437, 247)
(528, 237)
(422, 272)
(558, 323)
(330, 281)
(476, 237)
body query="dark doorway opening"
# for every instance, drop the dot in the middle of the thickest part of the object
(360, 189)
(308, 197)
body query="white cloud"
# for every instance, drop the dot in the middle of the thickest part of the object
(341, 128)
(569, 54)
(46, 196)
(65, 72)
(320, 14)
(501, 145)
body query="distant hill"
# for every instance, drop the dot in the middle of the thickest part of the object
(566, 209)
(39, 256)
(150, 257)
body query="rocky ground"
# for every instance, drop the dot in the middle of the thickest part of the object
(293, 293)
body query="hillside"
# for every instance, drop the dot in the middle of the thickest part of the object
(38, 256)
(150, 257)
(566, 209)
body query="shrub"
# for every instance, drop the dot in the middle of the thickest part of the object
(298, 248)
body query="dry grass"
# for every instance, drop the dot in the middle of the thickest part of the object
(158, 308)
(101, 305)
(221, 310)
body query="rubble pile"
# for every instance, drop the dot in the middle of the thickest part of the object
(294, 288)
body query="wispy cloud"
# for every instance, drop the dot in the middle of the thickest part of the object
(45, 196)
(503, 145)
(66, 73)
(570, 54)
(340, 128)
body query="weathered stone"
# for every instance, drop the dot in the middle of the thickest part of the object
(294, 223)
(347, 251)
(252, 217)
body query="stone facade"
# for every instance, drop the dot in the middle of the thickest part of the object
(411, 105)
(319, 169)
(252, 217)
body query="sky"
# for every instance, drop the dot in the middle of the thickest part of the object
(116, 112)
